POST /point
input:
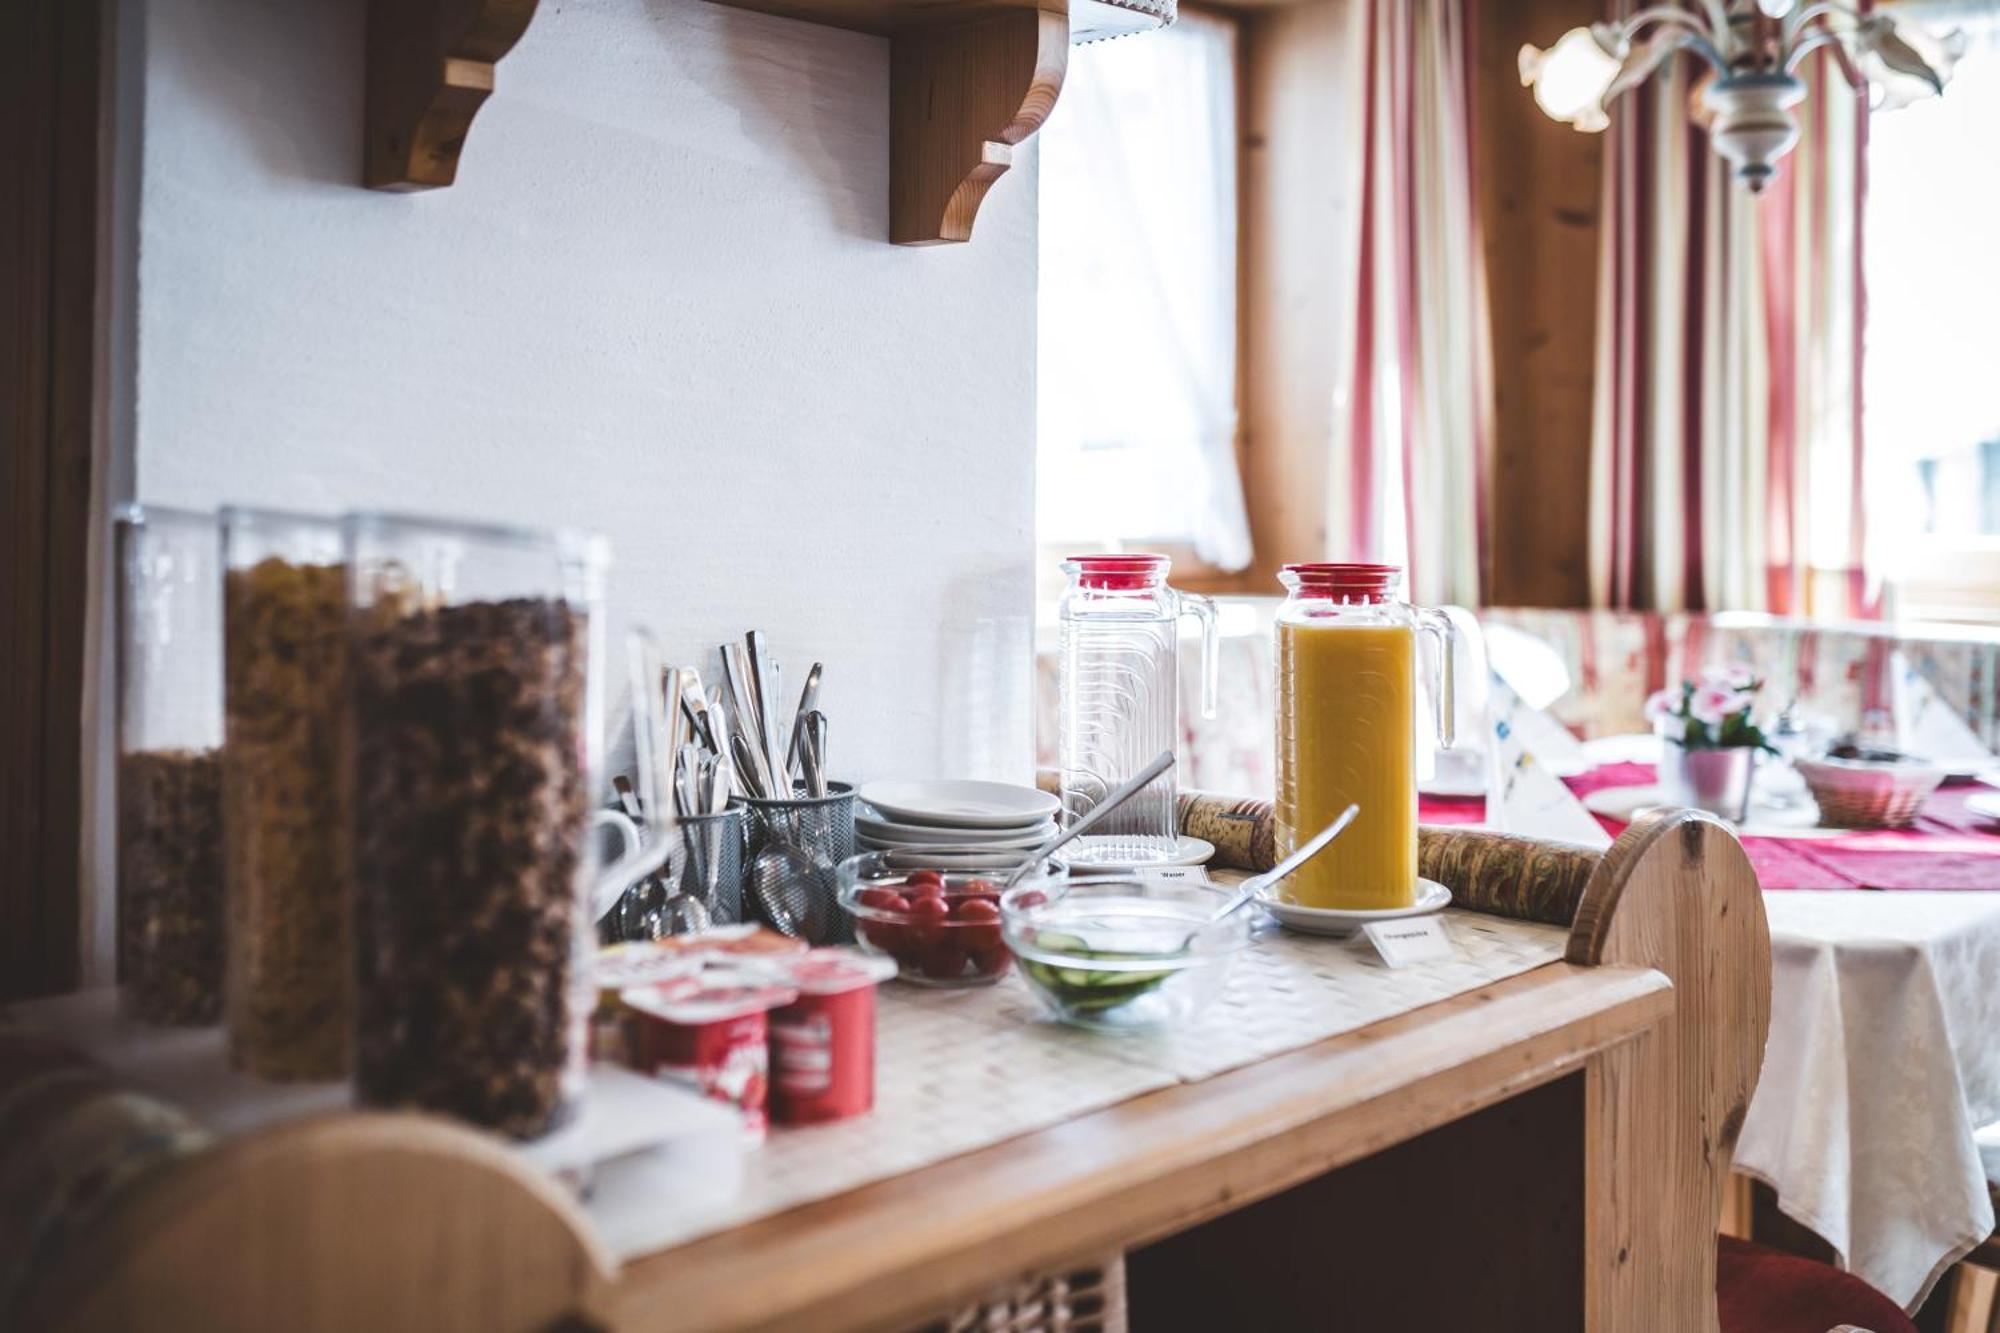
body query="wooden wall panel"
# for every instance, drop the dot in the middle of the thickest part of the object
(1301, 188)
(1539, 184)
(49, 62)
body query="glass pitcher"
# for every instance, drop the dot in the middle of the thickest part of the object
(476, 661)
(1348, 697)
(1120, 702)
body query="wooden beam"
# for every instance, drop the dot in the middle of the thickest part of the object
(49, 197)
(1538, 189)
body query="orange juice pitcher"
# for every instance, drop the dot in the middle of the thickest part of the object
(1347, 702)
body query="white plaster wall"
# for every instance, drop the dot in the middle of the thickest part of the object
(658, 304)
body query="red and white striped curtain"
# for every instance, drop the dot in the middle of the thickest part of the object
(1727, 448)
(1411, 488)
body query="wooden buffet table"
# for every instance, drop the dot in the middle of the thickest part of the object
(1544, 1152)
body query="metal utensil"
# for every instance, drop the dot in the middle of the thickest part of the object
(1256, 884)
(808, 701)
(747, 717)
(1116, 797)
(719, 770)
(694, 707)
(812, 752)
(746, 766)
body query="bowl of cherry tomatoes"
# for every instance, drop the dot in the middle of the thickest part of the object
(942, 927)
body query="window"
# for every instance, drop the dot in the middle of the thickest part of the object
(1932, 387)
(1137, 359)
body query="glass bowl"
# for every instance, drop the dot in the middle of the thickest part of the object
(1122, 952)
(955, 944)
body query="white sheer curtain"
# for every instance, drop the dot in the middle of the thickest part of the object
(1137, 360)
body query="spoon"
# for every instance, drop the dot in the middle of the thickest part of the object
(1118, 795)
(1256, 884)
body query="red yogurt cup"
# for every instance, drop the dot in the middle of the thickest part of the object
(708, 1029)
(823, 1042)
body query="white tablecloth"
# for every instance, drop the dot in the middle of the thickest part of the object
(1883, 1062)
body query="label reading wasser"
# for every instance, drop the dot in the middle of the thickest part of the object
(1410, 940)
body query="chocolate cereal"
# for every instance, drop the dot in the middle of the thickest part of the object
(469, 806)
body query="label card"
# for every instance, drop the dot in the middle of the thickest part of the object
(1176, 874)
(1418, 939)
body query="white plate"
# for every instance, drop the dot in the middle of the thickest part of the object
(878, 842)
(1431, 897)
(885, 830)
(1765, 821)
(1985, 804)
(1094, 855)
(961, 803)
(998, 861)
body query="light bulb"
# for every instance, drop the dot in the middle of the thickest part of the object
(1569, 79)
(1776, 9)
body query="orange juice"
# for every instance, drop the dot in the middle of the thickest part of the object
(1346, 704)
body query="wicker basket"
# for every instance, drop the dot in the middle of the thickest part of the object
(1860, 793)
(1083, 1298)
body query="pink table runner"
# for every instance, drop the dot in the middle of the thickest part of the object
(1948, 847)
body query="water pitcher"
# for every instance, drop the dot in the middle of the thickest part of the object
(1120, 697)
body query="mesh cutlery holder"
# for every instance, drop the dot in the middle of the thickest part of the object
(711, 860)
(795, 848)
(715, 860)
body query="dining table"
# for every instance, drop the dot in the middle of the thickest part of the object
(1883, 1064)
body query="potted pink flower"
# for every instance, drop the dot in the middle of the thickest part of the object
(1708, 743)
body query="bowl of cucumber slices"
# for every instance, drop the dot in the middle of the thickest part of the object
(1121, 952)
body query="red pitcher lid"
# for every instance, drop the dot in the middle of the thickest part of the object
(1355, 582)
(1114, 572)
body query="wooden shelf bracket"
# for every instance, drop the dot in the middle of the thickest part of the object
(961, 97)
(430, 68)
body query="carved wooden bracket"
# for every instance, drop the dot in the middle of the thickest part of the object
(960, 99)
(430, 67)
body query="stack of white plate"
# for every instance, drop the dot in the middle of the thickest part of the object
(954, 823)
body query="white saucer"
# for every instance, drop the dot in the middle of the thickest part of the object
(1765, 821)
(995, 861)
(1093, 855)
(961, 803)
(1431, 897)
(1985, 804)
(876, 842)
(889, 831)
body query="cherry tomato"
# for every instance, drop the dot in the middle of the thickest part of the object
(991, 962)
(982, 923)
(916, 877)
(888, 936)
(1033, 898)
(944, 959)
(984, 887)
(886, 900)
(927, 918)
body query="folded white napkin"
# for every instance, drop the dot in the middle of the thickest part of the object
(1926, 725)
(1524, 795)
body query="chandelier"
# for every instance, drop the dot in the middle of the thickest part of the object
(1753, 49)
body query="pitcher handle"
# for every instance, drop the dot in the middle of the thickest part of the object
(1444, 634)
(651, 845)
(1203, 609)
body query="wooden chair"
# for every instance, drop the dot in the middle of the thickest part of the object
(121, 1215)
